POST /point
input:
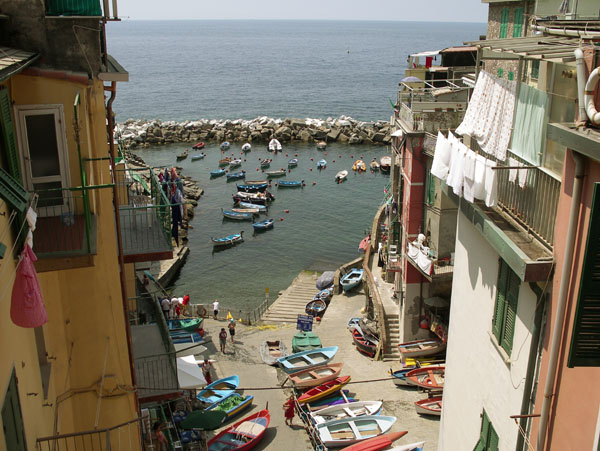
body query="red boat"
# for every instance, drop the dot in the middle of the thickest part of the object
(376, 443)
(362, 247)
(363, 344)
(243, 435)
(429, 406)
(324, 390)
(427, 377)
(198, 146)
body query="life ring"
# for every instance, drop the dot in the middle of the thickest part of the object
(588, 98)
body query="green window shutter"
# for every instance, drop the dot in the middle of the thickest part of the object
(585, 341)
(500, 305)
(12, 419)
(535, 69)
(492, 444)
(480, 446)
(431, 190)
(12, 192)
(510, 314)
(518, 23)
(500, 73)
(511, 75)
(8, 135)
(503, 23)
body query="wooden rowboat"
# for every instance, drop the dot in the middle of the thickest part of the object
(359, 166)
(332, 400)
(346, 410)
(236, 175)
(363, 344)
(385, 164)
(225, 161)
(235, 163)
(376, 443)
(253, 188)
(182, 156)
(243, 435)
(270, 351)
(351, 430)
(229, 214)
(291, 184)
(421, 348)
(256, 182)
(261, 226)
(374, 165)
(232, 405)
(219, 389)
(321, 145)
(417, 446)
(323, 390)
(246, 210)
(293, 162)
(265, 163)
(351, 279)
(225, 145)
(427, 377)
(315, 307)
(278, 173)
(198, 146)
(217, 173)
(228, 240)
(316, 376)
(199, 156)
(321, 164)
(260, 208)
(429, 406)
(247, 147)
(307, 359)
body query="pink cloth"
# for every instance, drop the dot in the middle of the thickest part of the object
(27, 306)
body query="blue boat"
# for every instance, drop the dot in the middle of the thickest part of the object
(263, 225)
(186, 337)
(217, 173)
(290, 183)
(293, 162)
(228, 240)
(225, 145)
(236, 215)
(232, 405)
(219, 389)
(253, 188)
(352, 279)
(321, 164)
(236, 175)
(198, 156)
(316, 307)
(306, 359)
(261, 208)
(324, 295)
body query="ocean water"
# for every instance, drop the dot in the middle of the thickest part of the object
(187, 70)
(183, 70)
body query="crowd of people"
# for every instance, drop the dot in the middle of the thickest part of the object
(176, 307)
(172, 186)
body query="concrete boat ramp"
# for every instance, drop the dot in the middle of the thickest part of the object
(292, 301)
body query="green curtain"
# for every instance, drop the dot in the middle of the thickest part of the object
(529, 128)
(73, 8)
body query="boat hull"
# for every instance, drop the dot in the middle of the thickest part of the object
(352, 279)
(362, 344)
(352, 430)
(347, 410)
(421, 348)
(270, 351)
(316, 376)
(429, 406)
(307, 359)
(324, 390)
(243, 435)
(427, 377)
(219, 389)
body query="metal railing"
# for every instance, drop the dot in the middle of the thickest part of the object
(156, 374)
(124, 436)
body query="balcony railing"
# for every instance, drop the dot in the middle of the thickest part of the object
(124, 436)
(145, 215)
(156, 375)
(82, 8)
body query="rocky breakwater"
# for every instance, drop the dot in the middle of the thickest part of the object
(141, 133)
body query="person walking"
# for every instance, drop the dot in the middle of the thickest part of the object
(174, 303)
(231, 327)
(166, 307)
(223, 339)
(216, 308)
(288, 408)
(206, 366)
(186, 305)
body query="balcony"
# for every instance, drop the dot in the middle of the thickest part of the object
(82, 8)
(145, 215)
(433, 106)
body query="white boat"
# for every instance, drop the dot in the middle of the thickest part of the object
(346, 410)
(274, 145)
(235, 163)
(341, 176)
(417, 446)
(351, 430)
(246, 147)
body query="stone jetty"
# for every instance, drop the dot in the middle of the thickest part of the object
(344, 129)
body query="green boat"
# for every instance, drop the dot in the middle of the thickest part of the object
(189, 325)
(305, 341)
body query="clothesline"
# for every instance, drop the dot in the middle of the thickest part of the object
(498, 168)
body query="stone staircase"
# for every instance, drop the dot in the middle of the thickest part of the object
(292, 301)
(391, 353)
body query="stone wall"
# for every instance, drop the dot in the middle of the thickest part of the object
(140, 133)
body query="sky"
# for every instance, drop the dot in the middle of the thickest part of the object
(396, 10)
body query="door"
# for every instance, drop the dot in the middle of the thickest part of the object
(44, 156)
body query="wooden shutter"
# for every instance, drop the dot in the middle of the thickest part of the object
(511, 75)
(510, 313)
(492, 443)
(585, 341)
(12, 420)
(503, 23)
(518, 23)
(8, 135)
(500, 305)
(500, 73)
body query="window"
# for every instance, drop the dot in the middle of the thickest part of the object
(535, 69)
(488, 438)
(8, 135)
(585, 342)
(511, 75)
(12, 419)
(503, 23)
(518, 23)
(505, 308)
(500, 73)
(430, 199)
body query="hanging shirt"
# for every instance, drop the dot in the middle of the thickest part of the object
(491, 184)
(27, 305)
(441, 159)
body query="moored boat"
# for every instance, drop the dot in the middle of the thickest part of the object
(315, 307)
(256, 182)
(277, 173)
(182, 156)
(385, 163)
(427, 377)
(376, 443)
(341, 176)
(362, 247)
(228, 240)
(225, 161)
(230, 214)
(254, 198)
(247, 147)
(246, 210)
(316, 376)
(260, 208)
(351, 430)
(254, 188)
(263, 225)
(352, 279)
(243, 435)
(359, 166)
(304, 341)
(421, 348)
(270, 351)
(363, 344)
(307, 359)
(374, 165)
(321, 164)
(189, 325)
(323, 390)
(274, 145)
(290, 184)
(198, 146)
(429, 406)
(217, 173)
(293, 162)
(321, 145)
(225, 145)
(346, 410)
(265, 163)
(232, 405)
(235, 163)
(198, 156)
(219, 389)
(236, 175)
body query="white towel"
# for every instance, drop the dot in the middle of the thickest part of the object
(441, 158)
(453, 159)
(522, 177)
(459, 170)
(469, 180)
(512, 173)
(491, 184)
(479, 181)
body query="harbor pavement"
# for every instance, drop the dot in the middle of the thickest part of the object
(264, 382)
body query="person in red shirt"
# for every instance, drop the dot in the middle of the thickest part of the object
(186, 302)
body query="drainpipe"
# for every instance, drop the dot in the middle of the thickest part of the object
(582, 116)
(561, 302)
(111, 148)
(566, 32)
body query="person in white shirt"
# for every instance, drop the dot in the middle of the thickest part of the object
(216, 308)
(166, 307)
(174, 303)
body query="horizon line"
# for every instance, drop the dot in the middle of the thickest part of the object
(129, 18)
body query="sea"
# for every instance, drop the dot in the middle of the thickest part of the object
(189, 70)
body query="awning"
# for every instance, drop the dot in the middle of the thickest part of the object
(13, 61)
(532, 48)
(114, 71)
(428, 53)
(189, 373)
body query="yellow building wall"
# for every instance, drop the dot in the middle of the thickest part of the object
(85, 335)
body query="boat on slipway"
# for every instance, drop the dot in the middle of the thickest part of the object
(189, 325)
(381, 442)
(351, 430)
(347, 410)
(351, 279)
(429, 406)
(323, 390)
(316, 307)
(307, 359)
(427, 377)
(421, 348)
(316, 376)
(304, 341)
(243, 435)
(270, 351)
(232, 405)
(219, 389)
(364, 344)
